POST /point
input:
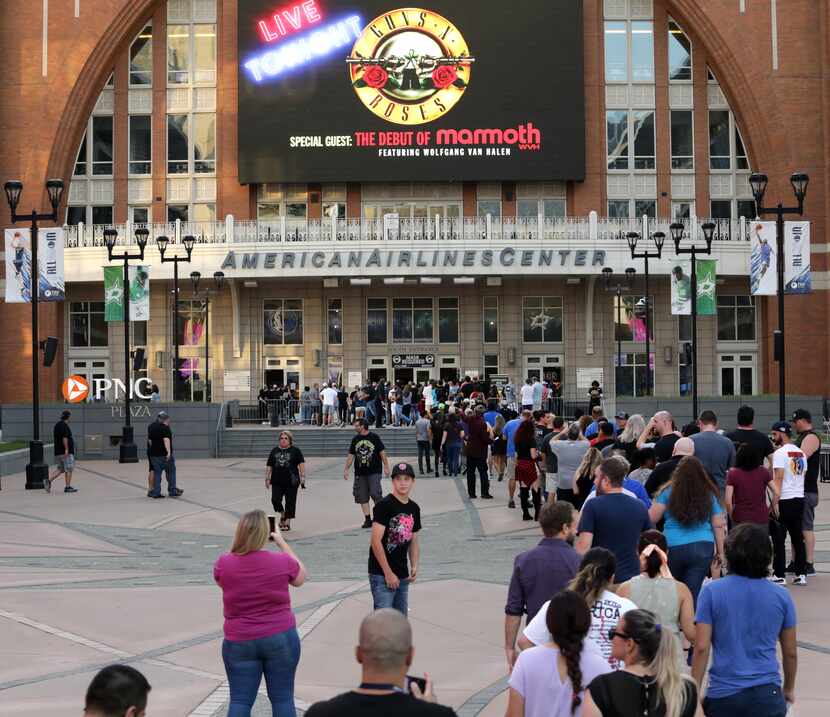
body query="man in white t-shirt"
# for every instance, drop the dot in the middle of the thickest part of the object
(605, 613)
(329, 397)
(527, 396)
(789, 464)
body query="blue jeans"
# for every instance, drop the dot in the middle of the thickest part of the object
(453, 458)
(385, 597)
(276, 657)
(760, 701)
(160, 463)
(690, 564)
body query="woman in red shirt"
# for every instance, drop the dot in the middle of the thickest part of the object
(260, 630)
(746, 487)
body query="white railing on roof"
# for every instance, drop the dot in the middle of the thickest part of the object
(290, 230)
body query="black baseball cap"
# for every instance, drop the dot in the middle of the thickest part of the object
(622, 415)
(781, 427)
(403, 469)
(802, 414)
(65, 415)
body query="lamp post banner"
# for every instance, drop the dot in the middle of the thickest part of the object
(681, 288)
(18, 246)
(797, 253)
(763, 271)
(113, 293)
(707, 281)
(139, 293)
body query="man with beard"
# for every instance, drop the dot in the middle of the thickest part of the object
(367, 452)
(613, 520)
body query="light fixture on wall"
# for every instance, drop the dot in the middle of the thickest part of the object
(430, 279)
(511, 356)
(393, 281)
(493, 281)
(668, 354)
(360, 282)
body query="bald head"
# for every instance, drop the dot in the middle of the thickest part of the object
(684, 447)
(663, 422)
(385, 640)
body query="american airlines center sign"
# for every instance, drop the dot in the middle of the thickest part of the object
(377, 262)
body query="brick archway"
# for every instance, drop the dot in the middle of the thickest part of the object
(84, 93)
(732, 77)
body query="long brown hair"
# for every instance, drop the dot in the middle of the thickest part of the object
(525, 433)
(596, 573)
(692, 492)
(568, 620)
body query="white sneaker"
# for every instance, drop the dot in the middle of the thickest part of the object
(800, 580)
(47, 485)
(775, 579)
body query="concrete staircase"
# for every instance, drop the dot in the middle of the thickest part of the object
(257, 442)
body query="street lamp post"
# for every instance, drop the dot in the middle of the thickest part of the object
(162, 243)
(693, 250)
(219, 281)
(758, 182)
(127, 450)
(618, 287)
(659, 238)
(36, 470)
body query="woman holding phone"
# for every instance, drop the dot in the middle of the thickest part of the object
(260, 629)
(284, 474)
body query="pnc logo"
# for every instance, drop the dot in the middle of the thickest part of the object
(75, 389)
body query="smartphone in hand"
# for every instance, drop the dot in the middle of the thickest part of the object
(272, 525)
(420, 681)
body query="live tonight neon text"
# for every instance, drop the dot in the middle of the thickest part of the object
(301, 49)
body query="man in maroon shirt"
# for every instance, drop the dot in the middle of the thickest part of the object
(478, 438)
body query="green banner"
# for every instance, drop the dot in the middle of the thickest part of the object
(707, 281)
(113, 293)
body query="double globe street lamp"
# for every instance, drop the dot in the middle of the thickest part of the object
(162, 243)
(618, 287)
(708, 230)
(659, 239)
(758, 182)
(219, 282)
(36, 470)
(127, 449)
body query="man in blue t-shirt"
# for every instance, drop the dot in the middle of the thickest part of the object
(509, 433)
(492, 413)
(613, 520)
(743, 616)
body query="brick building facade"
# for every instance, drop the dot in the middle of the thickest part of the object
(758, 70)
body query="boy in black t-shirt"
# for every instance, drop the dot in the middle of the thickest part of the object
(395, 529)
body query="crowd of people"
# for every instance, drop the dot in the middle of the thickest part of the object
(663, 561)
(400, 404)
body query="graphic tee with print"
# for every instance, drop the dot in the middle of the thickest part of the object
(791, 459)
(366, 451)
(605, 614)
(283, 463)
(402, 521)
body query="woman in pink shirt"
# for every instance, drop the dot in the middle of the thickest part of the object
(260, 630)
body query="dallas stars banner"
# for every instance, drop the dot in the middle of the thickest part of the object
(681, 288)
(114, 293)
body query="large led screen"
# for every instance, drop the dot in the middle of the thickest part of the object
(371, 90)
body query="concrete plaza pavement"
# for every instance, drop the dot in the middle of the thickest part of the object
(108, 575)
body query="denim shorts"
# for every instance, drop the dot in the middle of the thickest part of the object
(810, 503)
(66, 464)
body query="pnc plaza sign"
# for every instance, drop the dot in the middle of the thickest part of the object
(77, 388)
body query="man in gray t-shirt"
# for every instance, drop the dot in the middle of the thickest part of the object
(570, 451)
(422, 437)
(716, 452)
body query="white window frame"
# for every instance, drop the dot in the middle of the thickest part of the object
(736, 361)
(129, 137)
(149, 85)
(629, 54)
(284, 299)
(437, 321)
(191, 146)
(386, 309)
(191, 49)
(328, 319)
(543, 298)
(484, 309)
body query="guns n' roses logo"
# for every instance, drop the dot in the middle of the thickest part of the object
(410, 66)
